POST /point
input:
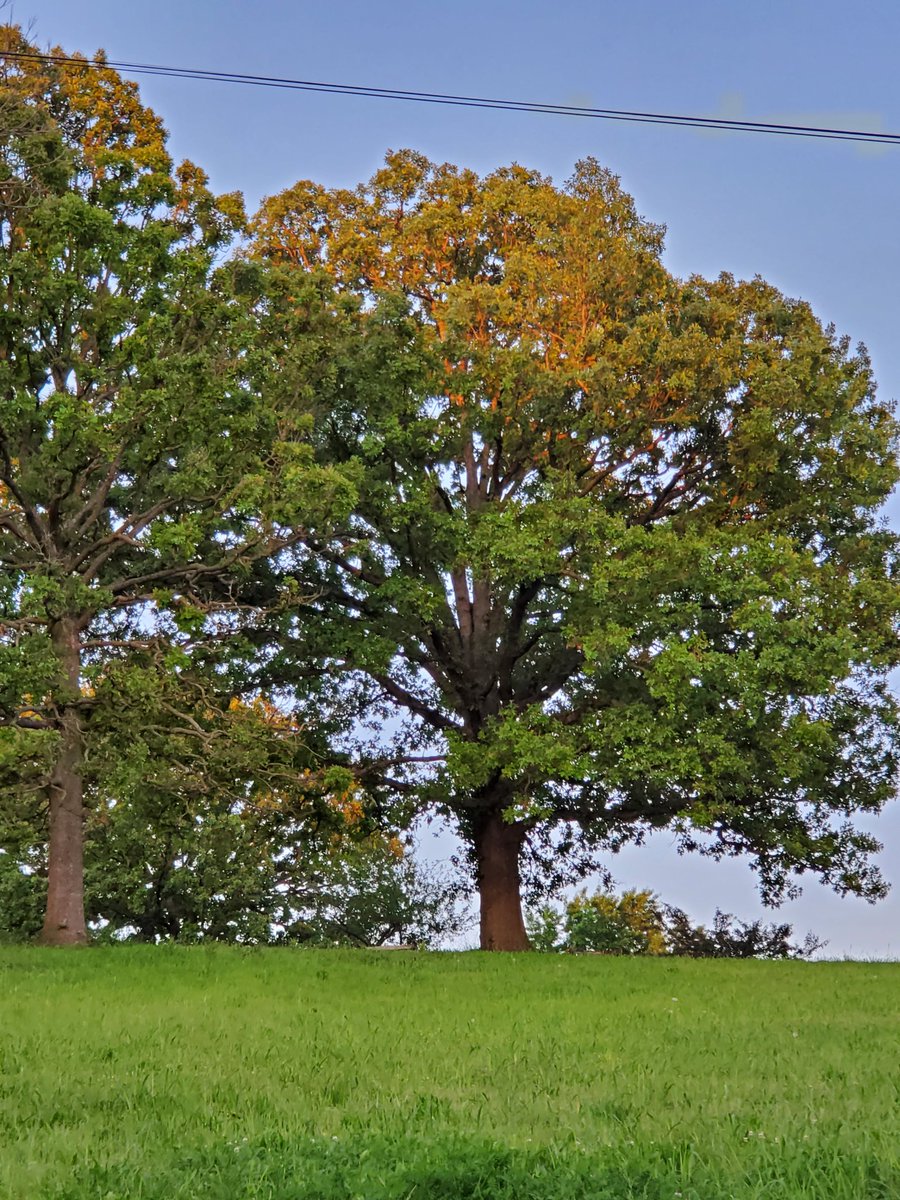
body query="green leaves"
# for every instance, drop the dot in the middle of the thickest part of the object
(449, 448)
(151, 449)
(613, 546)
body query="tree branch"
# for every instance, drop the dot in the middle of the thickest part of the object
(413, 703)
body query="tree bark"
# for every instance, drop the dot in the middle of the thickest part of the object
(497, 846)
(64, 922)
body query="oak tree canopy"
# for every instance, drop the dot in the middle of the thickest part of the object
(615, 553)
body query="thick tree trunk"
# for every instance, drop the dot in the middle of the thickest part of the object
(497, 845)
(64, 923)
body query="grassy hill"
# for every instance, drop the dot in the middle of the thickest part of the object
(224, 1074)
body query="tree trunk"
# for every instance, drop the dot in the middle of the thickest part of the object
(64, 923)
(497, 846)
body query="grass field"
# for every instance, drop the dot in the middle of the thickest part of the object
(222, 1074)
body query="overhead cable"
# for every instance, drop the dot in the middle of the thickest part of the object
(722, 124)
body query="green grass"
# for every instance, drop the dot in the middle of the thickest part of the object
(220, 1074)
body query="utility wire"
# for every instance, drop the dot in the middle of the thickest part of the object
(528, 106)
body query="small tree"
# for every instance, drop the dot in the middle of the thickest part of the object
(614, 554)
(373, 893)
(628, 924)
(545, 925)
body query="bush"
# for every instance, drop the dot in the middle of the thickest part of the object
(544, 927)
(23, 897)
(730, 938)
(629, 924)
(636, 923)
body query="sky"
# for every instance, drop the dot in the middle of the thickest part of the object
(816, 218)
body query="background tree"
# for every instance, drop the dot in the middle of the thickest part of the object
(134, 456)
(204, 822)
(615, 555)
(194, 816)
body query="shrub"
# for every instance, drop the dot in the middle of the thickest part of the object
(628, 924)
(730, 938)
(636, 923)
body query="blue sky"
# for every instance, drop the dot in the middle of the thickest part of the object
(816, 218)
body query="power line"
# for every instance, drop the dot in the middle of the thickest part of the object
(727, 124)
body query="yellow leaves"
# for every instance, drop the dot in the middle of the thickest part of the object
(260, 707)
(349, 806)
(635, 914)
(353, 811)
(268, 802)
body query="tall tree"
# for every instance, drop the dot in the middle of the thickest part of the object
(135, 457)
(615, 553)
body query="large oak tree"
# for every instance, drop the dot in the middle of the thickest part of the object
(615, 555)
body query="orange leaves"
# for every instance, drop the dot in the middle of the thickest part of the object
(263, 708)
(350, 808)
